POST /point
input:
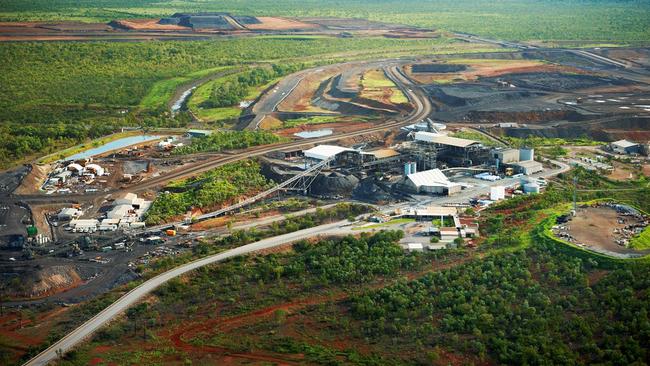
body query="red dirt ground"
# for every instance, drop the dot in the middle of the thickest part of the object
(491, 68)
(22, 334)
(149, 24)
(337, 127)
(276, 23)
(181, 336)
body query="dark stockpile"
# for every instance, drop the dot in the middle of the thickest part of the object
(437, 68)
(369, 190)
(334, 184)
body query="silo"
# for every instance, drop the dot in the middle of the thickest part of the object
(526, 154)
(407, 169)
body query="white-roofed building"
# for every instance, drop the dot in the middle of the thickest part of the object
(431, 181)
(96, 169)
(109, 225)
(324, 152)
(625, 147)
(528, 167)
(127, 209)
(119, 211)
(131, 199)
(89, 225)
(69, 213)
(497, 193)
(74, 167)
(415, 247)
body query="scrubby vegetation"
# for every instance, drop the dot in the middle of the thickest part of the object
(536, 305)
(209, 189)
(476, 136)
(530, 307)
(599, 20)
(227, 140)
(314, 120)
(515, 299)
(230, 91)
(58, 94)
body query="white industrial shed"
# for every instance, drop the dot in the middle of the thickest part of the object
(324, 152)
(98, 170)
(76, 168)
(529, 167)
(69, 213)
(625, 147)
(431, 181)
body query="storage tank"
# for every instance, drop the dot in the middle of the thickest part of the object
(414, 167)
(407, 169)
(531, 188)
(526, 154)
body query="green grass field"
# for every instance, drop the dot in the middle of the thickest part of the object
(202, 94)
(642, 241)
(375, 82)
(162, 91)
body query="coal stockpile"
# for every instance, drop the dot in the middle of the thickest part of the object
(437, 68)
(243, 19)
(634, 128)
(200, 14)
(206, 22)
(169, 21)
(334, 184)
(568, 59)
(533, 116)
(461, 95)
(370, 191)
(553, 81)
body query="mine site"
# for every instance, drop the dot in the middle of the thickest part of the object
(187, 26)
(458, 151)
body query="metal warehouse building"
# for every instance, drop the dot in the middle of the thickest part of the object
(625, 147)
(431, 181)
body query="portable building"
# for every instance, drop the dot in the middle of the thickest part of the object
(497, 193)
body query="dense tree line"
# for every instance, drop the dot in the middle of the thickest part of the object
(524, 308)
(227, 140)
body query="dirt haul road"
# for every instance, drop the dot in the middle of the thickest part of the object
(111, 312)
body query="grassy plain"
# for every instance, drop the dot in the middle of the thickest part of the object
(162, 91)
(378, 87)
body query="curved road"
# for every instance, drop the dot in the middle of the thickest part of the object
(422, 109)
(130, 298)
(417, 96)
